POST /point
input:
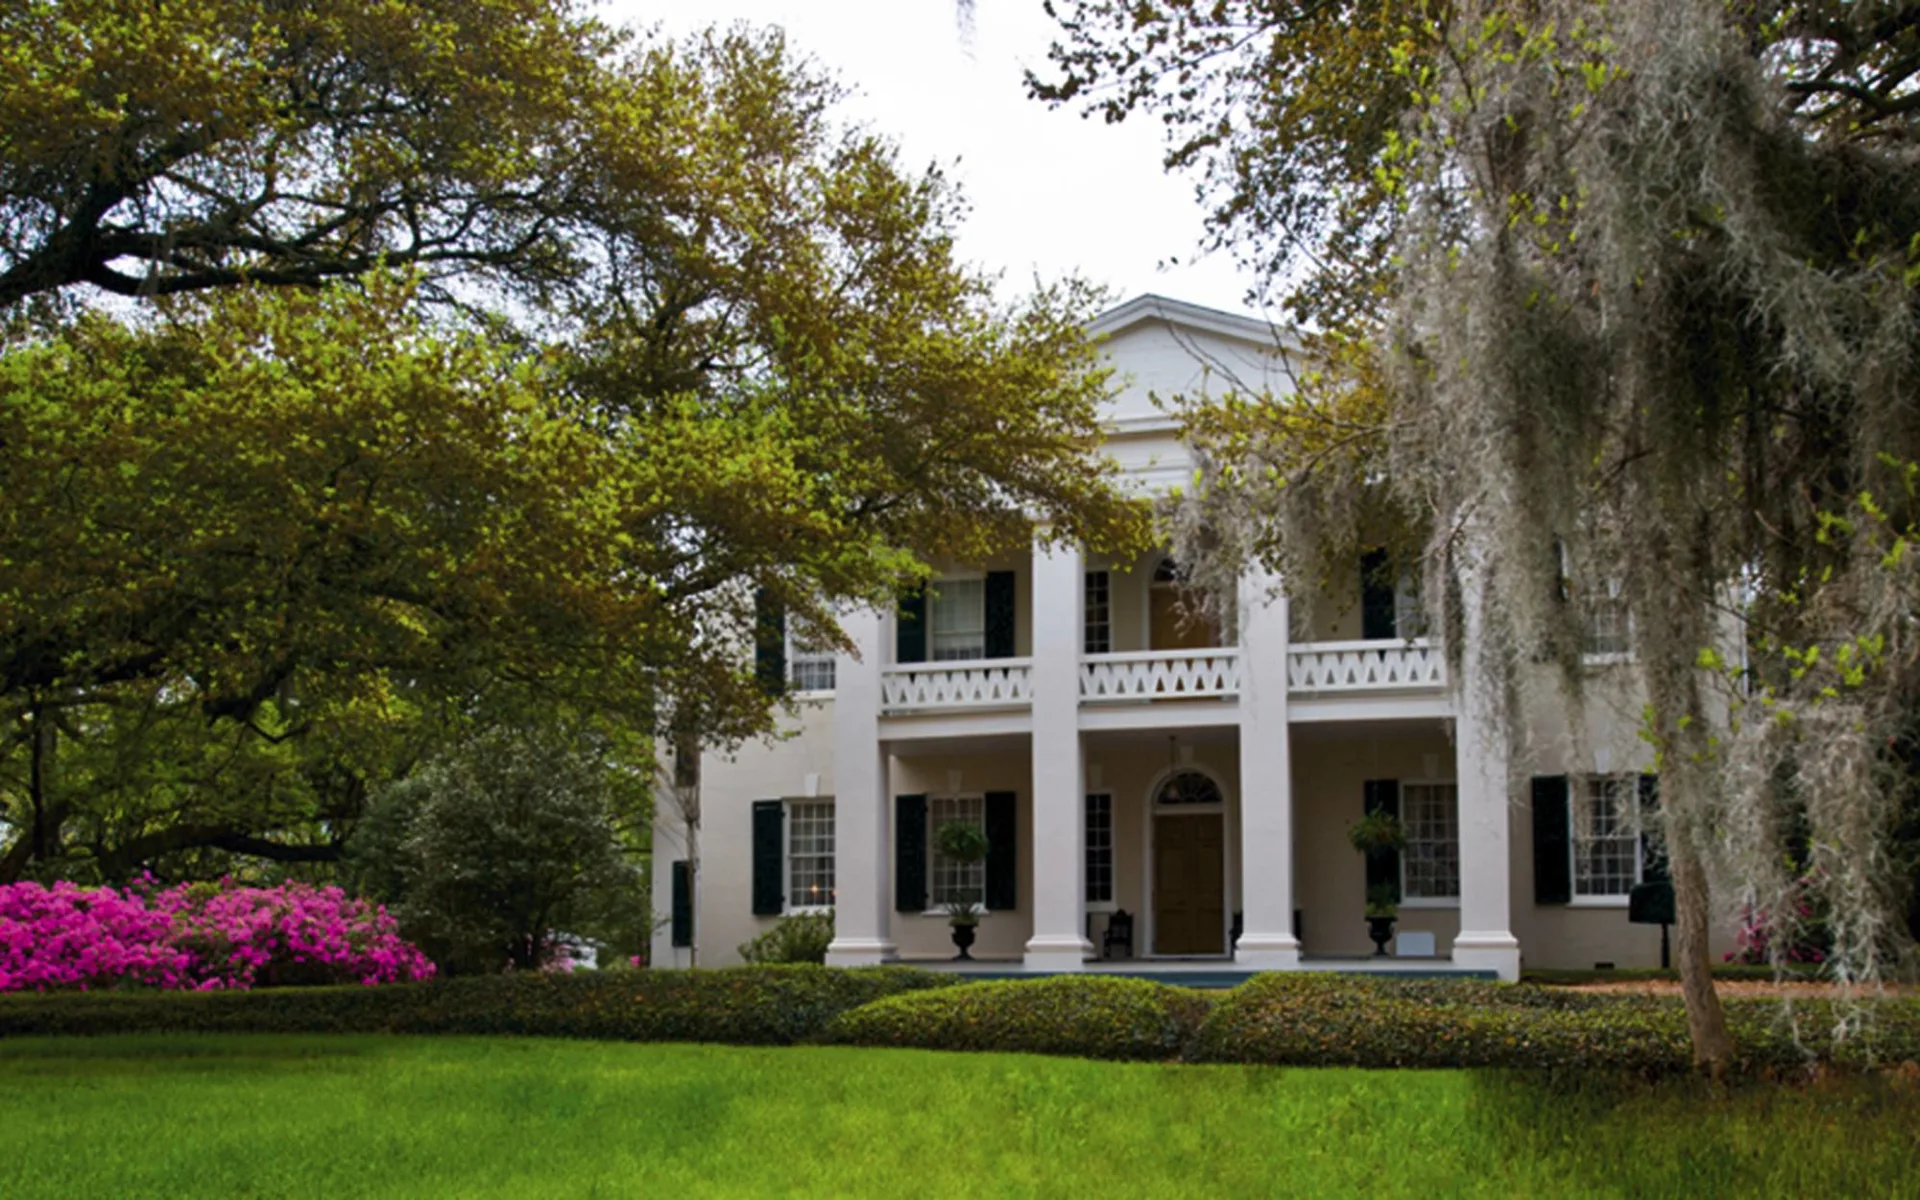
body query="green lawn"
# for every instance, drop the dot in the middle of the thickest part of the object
(373, 1116)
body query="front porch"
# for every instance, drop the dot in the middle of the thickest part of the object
(1164, 784)
(1206, 973)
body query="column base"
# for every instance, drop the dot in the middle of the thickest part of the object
(859, 952)
(1267, 952)
(1489, 950)
(1062, 953)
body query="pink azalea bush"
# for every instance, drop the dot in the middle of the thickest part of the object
(1809, 937)
(197, 936)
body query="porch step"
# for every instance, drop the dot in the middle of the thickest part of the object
(1209, 977)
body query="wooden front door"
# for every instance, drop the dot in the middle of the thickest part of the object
(1189, 864)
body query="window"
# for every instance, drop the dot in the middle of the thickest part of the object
(955, 882)
(1100, 848)
(1606, 626)
(809, 853)
(1430, 865)
(1189, 787)
(808, 669)
(1606, 837)
(1099, 637)
(958, 619)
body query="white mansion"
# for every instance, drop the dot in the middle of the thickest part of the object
(1184, 789)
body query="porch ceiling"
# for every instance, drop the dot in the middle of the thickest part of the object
(949, 747)
(1313, 733)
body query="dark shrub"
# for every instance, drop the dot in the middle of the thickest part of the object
(1323, 1020)
(771, 1006)
(797, 939)
(1089, 1015)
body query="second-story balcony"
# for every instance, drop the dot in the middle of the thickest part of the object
(1210, 674)
(973, 685)
(1352, 670)
(1346, 668)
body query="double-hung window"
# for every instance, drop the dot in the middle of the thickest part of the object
(955, 882)
(1604, 624)
(1605, 835)
(1100, 848)
(957, 612)
(1430, 864)
(808, 669)
(809, 854)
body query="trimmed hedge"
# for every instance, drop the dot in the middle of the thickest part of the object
(1091, 1016)
(753, 1006)
(1282, 1019)
(1317, 1020)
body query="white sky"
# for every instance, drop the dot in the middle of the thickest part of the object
(1051, 193)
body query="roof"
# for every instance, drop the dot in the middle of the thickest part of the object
(1149, 307)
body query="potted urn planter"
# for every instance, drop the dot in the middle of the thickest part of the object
(1383, 908)
(1378, 836)
(964, 842)
(964, 918)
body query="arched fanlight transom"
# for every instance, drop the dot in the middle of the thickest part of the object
(1188, 787)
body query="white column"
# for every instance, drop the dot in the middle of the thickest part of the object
(1486, 938)
(862, 912)
(1266, 780)
(1059, 856)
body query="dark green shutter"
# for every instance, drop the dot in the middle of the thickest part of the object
(1653, 845)
(1000, 609)
(1383, 866)
(1552, 841)
(1378, 612)
(682, 902)
(1003, 875)
(1100, 640)
(769, 644)
(769, 852)
(910, 628)
(910, 853)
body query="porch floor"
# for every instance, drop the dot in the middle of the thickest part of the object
(1202, 972)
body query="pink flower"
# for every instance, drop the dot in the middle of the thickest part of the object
(64, 936)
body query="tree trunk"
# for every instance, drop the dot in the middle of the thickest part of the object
(43, 833)
(1706, 1019)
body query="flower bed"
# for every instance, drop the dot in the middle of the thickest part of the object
(196, 937)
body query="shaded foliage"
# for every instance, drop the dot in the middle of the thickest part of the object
(671, 335)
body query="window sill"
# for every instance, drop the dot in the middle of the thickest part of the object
(944, 915)
(1597, 902)
(1102, 906)
(817, 694)
(1429, 902)
(1616, 659)
(811, 910)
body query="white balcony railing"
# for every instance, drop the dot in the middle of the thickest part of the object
(1390, 666)
(974, 684)
(1160, 675)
